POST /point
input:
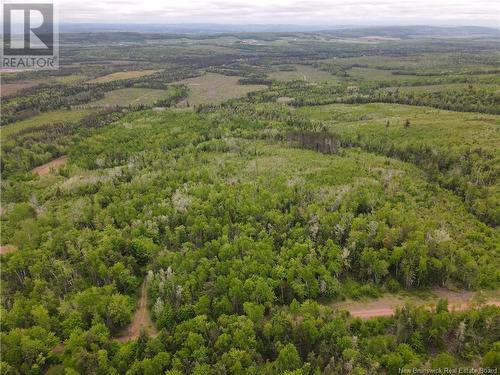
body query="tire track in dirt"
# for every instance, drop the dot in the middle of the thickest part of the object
(141, 319)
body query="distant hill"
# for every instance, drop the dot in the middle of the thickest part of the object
(417, 31)
(340, 30)
(188, 28)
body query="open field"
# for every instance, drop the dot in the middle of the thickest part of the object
(303, 73)
(430, 126)
(216, 88)
(372, 74)
(122, 75)
(129, 97)
(8, 89)
(43, 119)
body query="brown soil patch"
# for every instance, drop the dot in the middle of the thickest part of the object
(5, 249)
(9, 89)
(50, 166)
(141, 319)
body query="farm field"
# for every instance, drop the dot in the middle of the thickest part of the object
(303, 73)
(129, 97)
(122, 75)
(212, 88)
(9, 89)
(41, 120)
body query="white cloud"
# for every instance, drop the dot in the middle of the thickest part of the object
(321, 12)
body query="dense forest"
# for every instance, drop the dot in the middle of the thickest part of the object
(190, 198)
(244, 225)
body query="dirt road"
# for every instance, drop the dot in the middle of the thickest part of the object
(387, 305)
(5, 249)
(51, 165)
(141, 319)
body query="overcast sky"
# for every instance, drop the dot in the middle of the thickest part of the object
(305, 12)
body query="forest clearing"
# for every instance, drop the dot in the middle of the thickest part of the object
(50, 166)
(141, 319)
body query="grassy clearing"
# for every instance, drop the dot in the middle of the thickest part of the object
(129, 96)
(376, 38)
(216, 88)
(371, 74)
(428, 125)
(304, 73)
(43, 119)
(122, 75)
